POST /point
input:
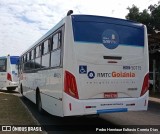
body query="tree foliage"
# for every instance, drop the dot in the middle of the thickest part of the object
(150, 17)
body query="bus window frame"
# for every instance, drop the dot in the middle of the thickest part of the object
(60, 32)
(4, 70)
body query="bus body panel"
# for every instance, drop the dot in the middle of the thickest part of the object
(119, 71)
(49, 83)
(54, 106)
(73, 106)
(51, 91)
(124, 77)
(118, 67)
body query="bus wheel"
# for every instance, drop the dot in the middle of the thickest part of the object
(39, 102)
(11, 88)
(21, 89)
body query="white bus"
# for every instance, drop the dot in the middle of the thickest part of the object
(88, 65)
(9, 72)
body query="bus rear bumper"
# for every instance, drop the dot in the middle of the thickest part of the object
(12, 84)
(72, 106)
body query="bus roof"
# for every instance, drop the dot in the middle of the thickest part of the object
(92, 18)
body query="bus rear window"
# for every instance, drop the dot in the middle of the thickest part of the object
(15, 59)
(97, 31)
(2, 65)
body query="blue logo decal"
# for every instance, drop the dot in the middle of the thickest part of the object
(91, 74)
(110, 39)
(82, 69)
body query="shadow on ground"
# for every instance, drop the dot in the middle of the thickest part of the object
(8, 91)
(61, 125)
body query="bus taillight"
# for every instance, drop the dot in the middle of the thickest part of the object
(145, 84)
(70, 86)
(9, 77)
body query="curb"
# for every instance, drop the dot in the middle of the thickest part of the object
(37, 123)
(154, 99)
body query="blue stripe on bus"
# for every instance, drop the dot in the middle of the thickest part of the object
(94, 18)
(112, 110)
(14, 59)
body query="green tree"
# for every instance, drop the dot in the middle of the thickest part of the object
(150, 17)
(155, 16)
(133, 14)
(142, 17)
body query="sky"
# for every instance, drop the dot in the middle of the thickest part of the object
(23, 22)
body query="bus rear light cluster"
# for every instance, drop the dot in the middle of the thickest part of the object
(70, 86)
(145, 84)
(9, 77)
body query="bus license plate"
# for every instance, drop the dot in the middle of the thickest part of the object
(111, 95)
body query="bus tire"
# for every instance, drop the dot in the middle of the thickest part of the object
(11, 88)
(39, 102)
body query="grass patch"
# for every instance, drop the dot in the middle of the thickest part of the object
(13, 112)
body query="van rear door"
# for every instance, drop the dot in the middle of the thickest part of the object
(14, 67)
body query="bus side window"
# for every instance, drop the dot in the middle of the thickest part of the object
(45, 47)
(38, 58)
(50, 44)
(37, 51)
(45, 54)
(37, 63)
(60, 39)
(32, 59)
(26, 64)
(25, 58)
(55, 41)
(56, 51)
(3, 64)
(30, 55)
